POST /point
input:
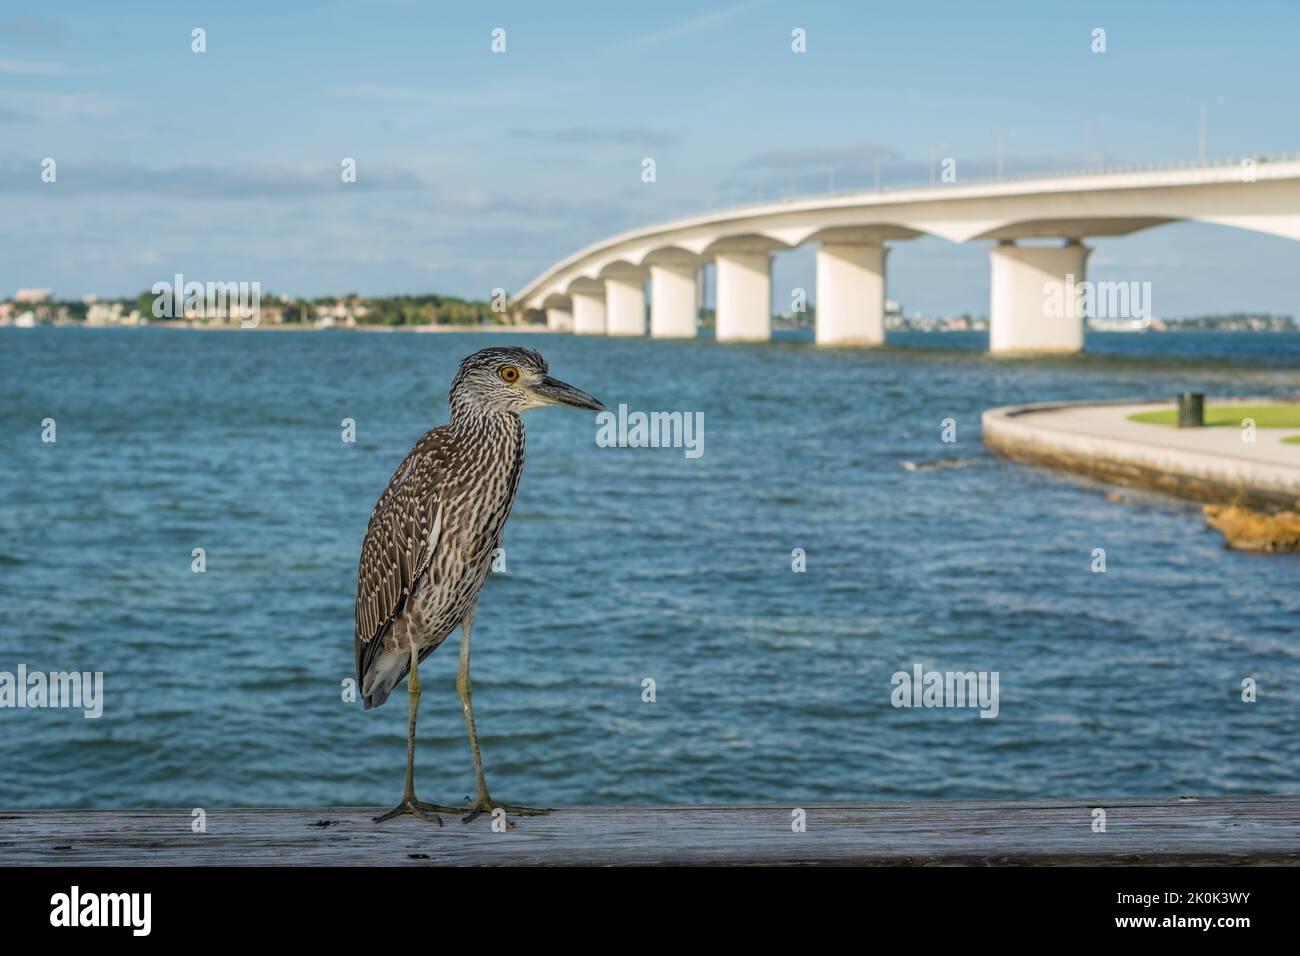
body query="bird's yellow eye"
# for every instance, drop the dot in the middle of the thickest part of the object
(509, 373)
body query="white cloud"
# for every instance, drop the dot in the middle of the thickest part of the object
(695, 25)
(46, 105)
(31, 68)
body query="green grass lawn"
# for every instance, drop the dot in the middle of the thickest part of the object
(1281, 415)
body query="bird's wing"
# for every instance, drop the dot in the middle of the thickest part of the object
(400, 542)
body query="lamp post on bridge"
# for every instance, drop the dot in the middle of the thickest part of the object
(1002, 142)
(1205, 110)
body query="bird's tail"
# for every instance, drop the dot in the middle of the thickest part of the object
(387, 668)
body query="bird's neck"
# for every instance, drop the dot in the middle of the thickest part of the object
(491, 448)
(477, 423)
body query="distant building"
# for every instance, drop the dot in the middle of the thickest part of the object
(104, 313)
(347, 311)
(272, 314)
(33, 296)
(113, 313)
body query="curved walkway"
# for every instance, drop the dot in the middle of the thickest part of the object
(1097, 439)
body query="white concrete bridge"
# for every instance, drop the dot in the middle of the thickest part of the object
(602, 289)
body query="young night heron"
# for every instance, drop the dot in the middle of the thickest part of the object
(431, 538)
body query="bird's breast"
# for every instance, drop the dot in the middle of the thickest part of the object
(476, 498)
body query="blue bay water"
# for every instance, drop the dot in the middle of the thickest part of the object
(224, 688)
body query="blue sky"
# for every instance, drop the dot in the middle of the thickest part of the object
(477, 170)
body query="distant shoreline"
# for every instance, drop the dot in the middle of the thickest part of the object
(289, 327)
(528, 329)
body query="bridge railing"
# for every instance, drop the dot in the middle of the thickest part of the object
(1217, 162)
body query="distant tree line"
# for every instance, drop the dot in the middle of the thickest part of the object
(394, 310)
(418, 310)
(1236, 320)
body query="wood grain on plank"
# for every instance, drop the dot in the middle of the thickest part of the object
(1139, 831)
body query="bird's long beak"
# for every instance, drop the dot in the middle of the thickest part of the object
(554, 392)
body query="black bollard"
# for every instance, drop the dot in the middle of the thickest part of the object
(1191, 410)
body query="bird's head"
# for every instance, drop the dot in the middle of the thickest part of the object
(511, 379)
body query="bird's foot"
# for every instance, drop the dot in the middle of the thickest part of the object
(416, 808)
(485, 804)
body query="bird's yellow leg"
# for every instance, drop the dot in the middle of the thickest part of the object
(425, 811)
(483, 803)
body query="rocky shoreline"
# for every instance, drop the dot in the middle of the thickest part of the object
(1244, 529)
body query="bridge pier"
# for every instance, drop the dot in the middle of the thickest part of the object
(851, 293)
(672, 298)
(1021, 315)
(588, 314)
(588, 307)
(559, 319)
(625, 304)
(744, 296)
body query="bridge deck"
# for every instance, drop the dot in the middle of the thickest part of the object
(1146, 831)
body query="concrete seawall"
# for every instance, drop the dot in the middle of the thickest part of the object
(1097, 440)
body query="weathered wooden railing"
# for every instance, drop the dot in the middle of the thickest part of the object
(1140, 831)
